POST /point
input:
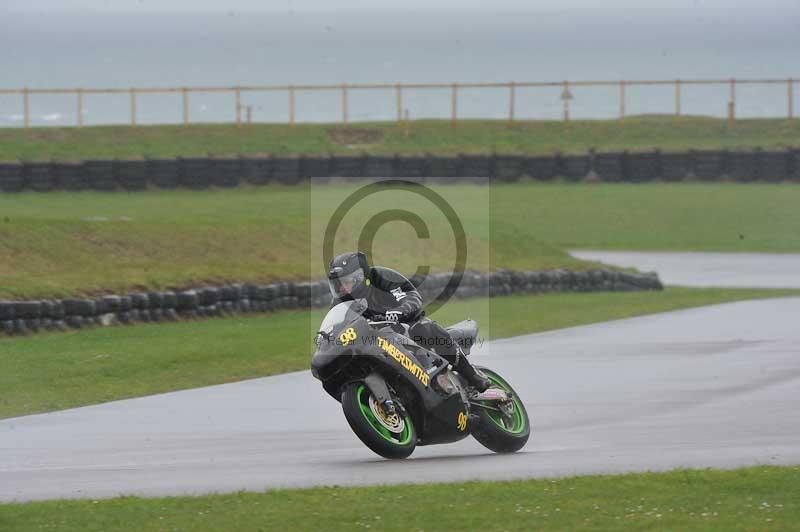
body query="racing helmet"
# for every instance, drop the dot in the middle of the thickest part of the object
(348, 275)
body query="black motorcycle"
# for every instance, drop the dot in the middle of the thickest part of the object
(396, 394)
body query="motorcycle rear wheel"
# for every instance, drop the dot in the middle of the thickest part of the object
(369, 429)
(499, 433)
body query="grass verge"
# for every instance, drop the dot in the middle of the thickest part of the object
(758, 498)
(433, 136)
(60, 244)
(55, 371)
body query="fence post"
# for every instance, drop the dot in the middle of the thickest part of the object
(399, 93)
(454, 106)
(677, 98)
(133, 107)
(344, 104)
(292, 106)
(185, 97)
(238, 98)
(621, 100)
(80, 108)
(512, 97)
(565, 99)
(732, 104)
(26, 111)
(790, 97)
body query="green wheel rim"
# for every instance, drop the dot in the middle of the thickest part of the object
(404, 438)
(518, 422)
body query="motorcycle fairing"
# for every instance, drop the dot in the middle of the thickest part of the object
(444, 414)
(441, 414)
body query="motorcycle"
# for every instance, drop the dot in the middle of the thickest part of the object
(397, 395)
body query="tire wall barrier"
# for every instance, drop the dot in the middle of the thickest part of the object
(23, 317)
(772, 166)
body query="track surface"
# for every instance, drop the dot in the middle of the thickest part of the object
(713, 386)
(735, 270)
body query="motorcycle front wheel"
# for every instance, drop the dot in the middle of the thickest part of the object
(498, 430)
(388, 436)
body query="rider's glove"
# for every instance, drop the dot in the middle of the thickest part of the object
(394, 315)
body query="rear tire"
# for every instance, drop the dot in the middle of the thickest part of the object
(499, 433)
(368, 428)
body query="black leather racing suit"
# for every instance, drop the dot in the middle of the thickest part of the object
(390, 290)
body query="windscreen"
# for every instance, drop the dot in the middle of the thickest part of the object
(341, 313)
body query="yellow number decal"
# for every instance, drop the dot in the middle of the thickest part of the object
(462, 421)
(348, 336)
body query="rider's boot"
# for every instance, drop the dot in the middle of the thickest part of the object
(475, 378)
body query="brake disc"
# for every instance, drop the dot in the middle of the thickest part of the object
(394, 423)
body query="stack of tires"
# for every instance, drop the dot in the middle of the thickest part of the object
(225, 171)
(39, 176)
(256, 170)
(70, 175)
(286, 170)
(100, 175)
(644, 166)
(194, 172)
(164, 173)
(11, 178)
(131, 174)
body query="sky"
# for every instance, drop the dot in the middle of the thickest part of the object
(142, 43)
(669, 22)
(756, 20)
(605, 6)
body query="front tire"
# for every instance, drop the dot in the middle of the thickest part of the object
(366, 424)
(498, 432)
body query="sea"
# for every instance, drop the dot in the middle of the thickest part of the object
(108, 49)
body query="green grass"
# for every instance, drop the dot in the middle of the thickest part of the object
(67, 243)
(757, 498)
(55, 371)
(434, 136)
(696, 217)
(59, 244)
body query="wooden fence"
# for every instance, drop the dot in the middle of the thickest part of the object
(399, 88)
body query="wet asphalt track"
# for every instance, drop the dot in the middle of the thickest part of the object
(713, 386)
(742, 270)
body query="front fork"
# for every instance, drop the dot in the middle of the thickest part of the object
(380, 391)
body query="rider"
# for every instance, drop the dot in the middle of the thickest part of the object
(392, 297)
